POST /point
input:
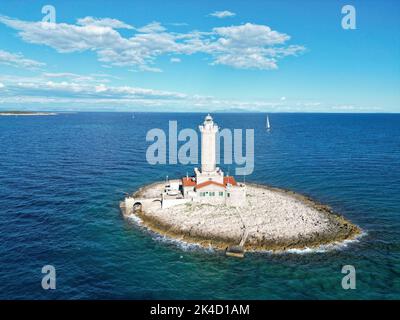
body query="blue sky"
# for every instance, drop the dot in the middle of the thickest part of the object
(269, 56)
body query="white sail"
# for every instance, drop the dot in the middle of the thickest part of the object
(268, 124)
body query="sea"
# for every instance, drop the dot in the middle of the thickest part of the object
(62, 178)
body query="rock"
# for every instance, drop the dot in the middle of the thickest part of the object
(277, 220)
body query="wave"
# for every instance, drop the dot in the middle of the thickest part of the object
(135, 219)
(320, 249)
(183, 245)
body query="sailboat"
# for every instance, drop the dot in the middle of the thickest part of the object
(268, 124)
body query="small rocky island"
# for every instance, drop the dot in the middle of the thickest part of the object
(274, 219)
(213, 210)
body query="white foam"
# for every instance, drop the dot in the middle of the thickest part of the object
(322, 248)
(187, 246)
(135, 219)
(183, 245)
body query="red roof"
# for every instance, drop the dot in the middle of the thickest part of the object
(207, 183)
(188, 182)
(191, 182)
(229, 179)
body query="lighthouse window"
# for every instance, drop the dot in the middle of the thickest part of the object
(228, 194)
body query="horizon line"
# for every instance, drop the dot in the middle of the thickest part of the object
(201, 112)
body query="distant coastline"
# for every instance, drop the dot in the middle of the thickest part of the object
(26, 113)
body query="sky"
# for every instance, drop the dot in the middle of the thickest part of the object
(255, 56)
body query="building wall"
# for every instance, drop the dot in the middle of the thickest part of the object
(211, 194)
(167, 203)
(187, 191)
(146, 203)
(236, 196)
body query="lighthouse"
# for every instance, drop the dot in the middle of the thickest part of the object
(208, 145)
(209, 172)
(209, 184)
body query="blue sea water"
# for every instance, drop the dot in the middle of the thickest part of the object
(62, 177)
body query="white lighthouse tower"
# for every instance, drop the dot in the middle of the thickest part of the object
(209, 170)
(208, 145)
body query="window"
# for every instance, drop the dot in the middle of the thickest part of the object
(221, 194)
(212, 194)
(228, 194)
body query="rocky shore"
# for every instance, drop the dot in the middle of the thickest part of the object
(274, 220)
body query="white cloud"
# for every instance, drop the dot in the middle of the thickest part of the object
(251, 46)
(100, 88)
(250, 60)
(105, 22)
(283, 98)
(175, 60)
(40, 86)
(246, 46)
(65, 37)
(77, 77)
(92, 95)
(18, 60)
(249, 35)
(223, 14)
(152, 28)
(148, 68)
